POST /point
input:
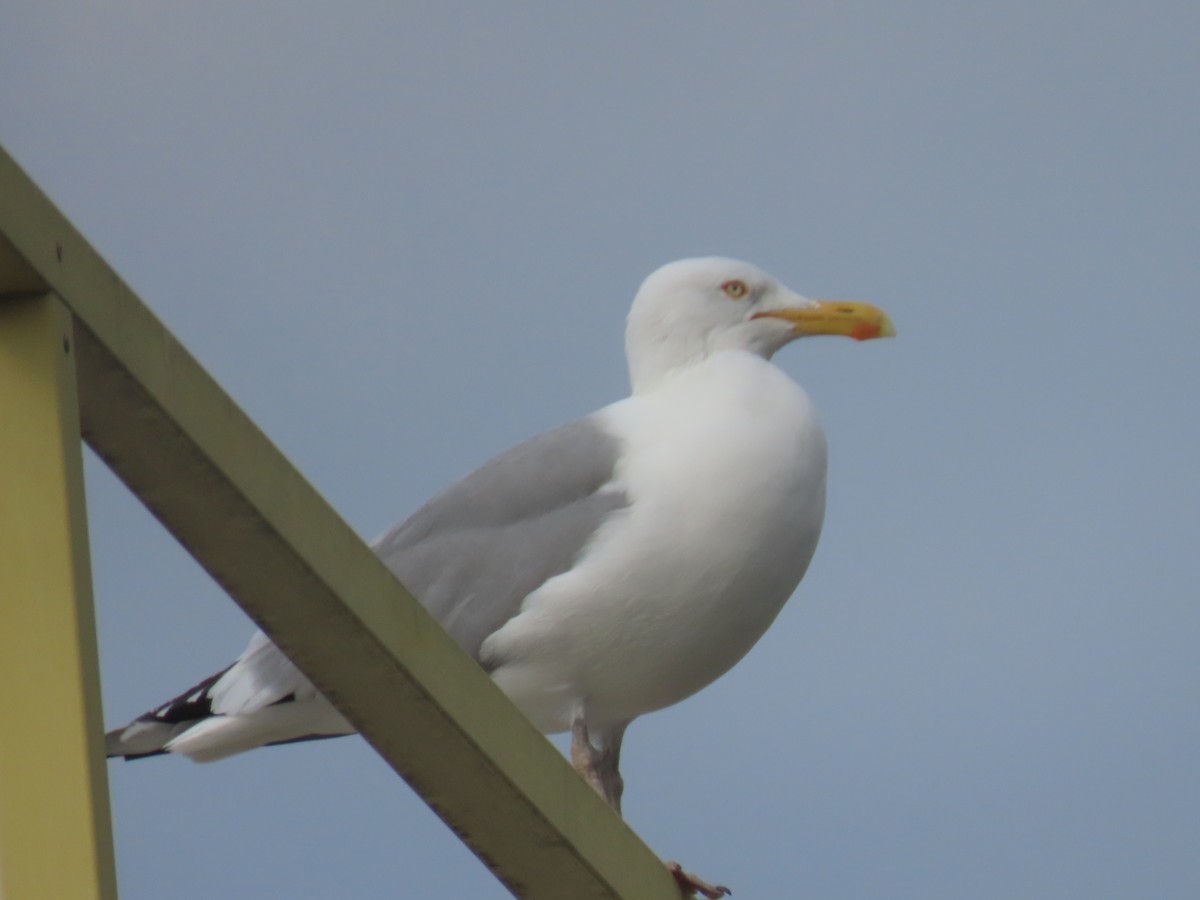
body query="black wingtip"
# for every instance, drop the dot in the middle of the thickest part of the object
(129, 757)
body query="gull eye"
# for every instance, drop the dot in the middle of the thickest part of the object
(736, 289)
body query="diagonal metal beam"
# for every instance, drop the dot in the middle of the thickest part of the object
(232, 499)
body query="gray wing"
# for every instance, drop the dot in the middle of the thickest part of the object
(475, 551)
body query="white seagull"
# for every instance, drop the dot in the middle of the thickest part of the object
(607, 568)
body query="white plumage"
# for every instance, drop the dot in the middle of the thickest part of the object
(610, 567)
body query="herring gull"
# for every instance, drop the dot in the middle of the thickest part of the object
(609, 567)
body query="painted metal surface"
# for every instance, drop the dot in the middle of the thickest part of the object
(55, 826)
(219, 485)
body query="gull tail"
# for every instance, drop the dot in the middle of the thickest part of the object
(151, 733)
(260, 700)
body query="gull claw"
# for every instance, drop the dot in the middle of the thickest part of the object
(691, 885)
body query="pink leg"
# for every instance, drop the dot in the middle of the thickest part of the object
(599, 766)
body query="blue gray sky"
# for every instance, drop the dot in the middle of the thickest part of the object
(405, 236)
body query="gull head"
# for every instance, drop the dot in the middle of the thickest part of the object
(689, 310)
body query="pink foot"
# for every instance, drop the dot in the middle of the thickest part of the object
(691, 885)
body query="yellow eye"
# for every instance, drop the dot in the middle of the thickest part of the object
(735, 289)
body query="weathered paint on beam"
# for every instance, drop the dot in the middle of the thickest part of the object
(199, 463)
(55, 827)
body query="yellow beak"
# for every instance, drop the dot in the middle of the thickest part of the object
(861, 321)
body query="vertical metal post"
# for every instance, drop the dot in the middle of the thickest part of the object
(55, 825)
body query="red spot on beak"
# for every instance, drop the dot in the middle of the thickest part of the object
(864, 331)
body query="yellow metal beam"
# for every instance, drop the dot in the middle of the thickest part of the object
(55, 828)
(229, 496)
